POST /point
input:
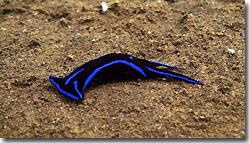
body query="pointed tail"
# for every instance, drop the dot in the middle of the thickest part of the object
(162, 73)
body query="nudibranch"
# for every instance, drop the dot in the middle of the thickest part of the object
(119, 65)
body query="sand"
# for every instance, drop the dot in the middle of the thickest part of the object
(42, 37)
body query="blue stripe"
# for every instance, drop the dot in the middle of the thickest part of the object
(91, 76)
(176, 76)
(79, 93)
(162, 64)
(72, 76)
(61, 90)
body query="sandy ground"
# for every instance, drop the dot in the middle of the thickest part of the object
(42, 37)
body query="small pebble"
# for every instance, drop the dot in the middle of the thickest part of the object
(239, 52)
(71, 57)
(78, 34)
(231, 51)
(202, 117)
(2, 28)
(104, 6)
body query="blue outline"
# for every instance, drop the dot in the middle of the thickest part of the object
(91, 76)
(61, 90)
(163, 64)
(72, 76)
(176, 76)
(79, 93)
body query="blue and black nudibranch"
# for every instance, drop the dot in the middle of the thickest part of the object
(116, 66)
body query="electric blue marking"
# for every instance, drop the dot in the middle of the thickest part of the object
(62, 91)
(163, 64)
(91, 76)
(131, 57)
(79, 93)
(176, 76)
(72, 76)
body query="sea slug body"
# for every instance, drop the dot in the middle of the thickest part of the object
(74, 84)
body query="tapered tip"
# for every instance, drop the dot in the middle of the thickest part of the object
(55, 80)
(199, 83)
